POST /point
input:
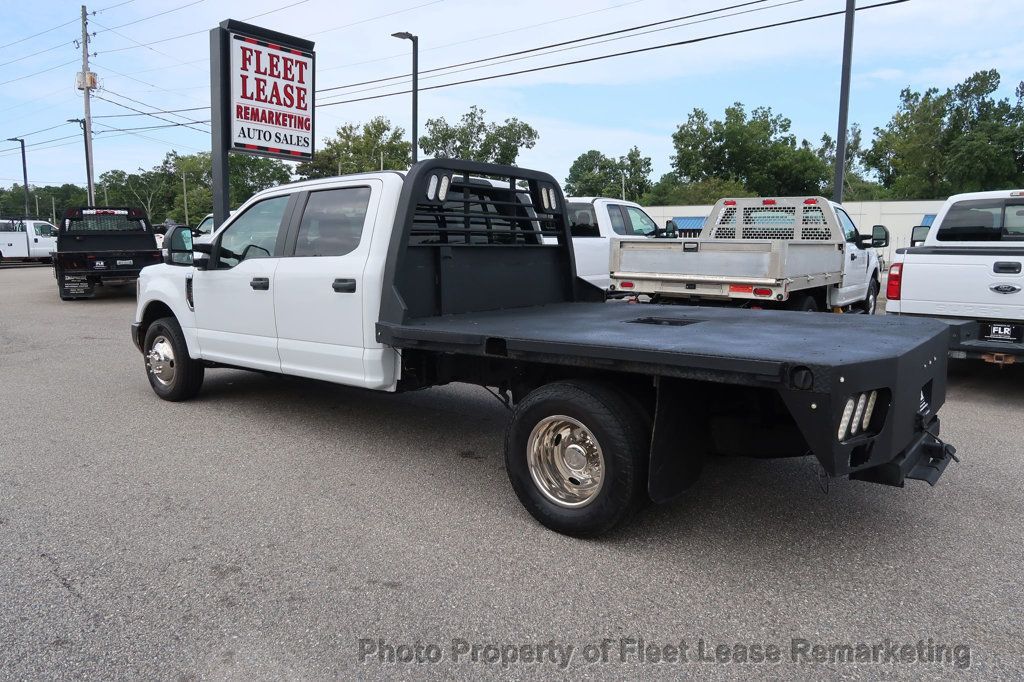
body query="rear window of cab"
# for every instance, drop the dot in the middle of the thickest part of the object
(983, 220)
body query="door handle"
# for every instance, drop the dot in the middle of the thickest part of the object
(344, 286)
(260, 283)
(853, 256)
(1006, 268)
(35, 240)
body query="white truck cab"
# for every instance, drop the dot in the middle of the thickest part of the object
(25, 239)
(594, 222)
(968, 269)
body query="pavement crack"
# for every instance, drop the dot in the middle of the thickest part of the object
(55, 570)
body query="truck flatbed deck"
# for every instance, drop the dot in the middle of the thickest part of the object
(678, 340)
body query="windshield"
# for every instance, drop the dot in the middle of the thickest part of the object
(100, 220)
(982, 220)
(44, 229)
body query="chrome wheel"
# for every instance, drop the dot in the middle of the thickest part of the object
(160, 361)
(566, 461)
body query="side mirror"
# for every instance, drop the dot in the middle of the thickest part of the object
(919, 234)
(201, 255)
(177, 246)
(879, 236)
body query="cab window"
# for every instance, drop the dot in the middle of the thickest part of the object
(253, 234)
(332, 223)
(618, 224)
(582, 222)
(44, 229)
(640, 221)
(849, 229)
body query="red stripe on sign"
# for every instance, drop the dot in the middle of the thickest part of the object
(273, 150)
(295, 153)
(251, 40)
(250, 146)
(273, 46)
(298, 52)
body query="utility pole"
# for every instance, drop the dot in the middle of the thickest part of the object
(86, 85)
(623, 185)
(24, 168)
(37, 206)
(844, 103)
(53, 210)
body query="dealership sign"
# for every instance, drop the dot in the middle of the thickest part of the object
(269, 78)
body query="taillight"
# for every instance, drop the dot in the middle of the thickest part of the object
(729, 202)
(810, 202)
(762, 291)
(741, 288)
(626, 285)
(895, 283)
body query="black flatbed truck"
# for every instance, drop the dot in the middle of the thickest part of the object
(614, 403)
(102, 246)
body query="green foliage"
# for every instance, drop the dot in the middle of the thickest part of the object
(757, 151)
(475, 139)
(960, 140)
(357, 148)
(597, 175)
(670, 191)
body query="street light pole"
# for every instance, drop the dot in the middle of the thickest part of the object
(24, 168)
(405, 35)
(623, 185)
(90, 187)
(184, 190)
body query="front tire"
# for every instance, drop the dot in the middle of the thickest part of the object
(871, 302)
(576, 455)
(173, 375)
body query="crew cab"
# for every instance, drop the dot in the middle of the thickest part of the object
(397, 281)
(968, 270)
(25, 239)
(101, 246)
(801, 253)
(594, 222)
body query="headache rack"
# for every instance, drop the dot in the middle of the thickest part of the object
(469, 237)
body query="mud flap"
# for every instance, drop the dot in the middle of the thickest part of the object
(75, 286)
(680, 440)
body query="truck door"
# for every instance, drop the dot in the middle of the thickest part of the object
(13, 239)
(589, 245)
(855, 265)
(321, 289)
(42, 239)
(234, 298)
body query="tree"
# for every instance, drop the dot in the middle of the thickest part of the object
(758, 152)
(475, 139)
(358, 148)
(670, 191)
(594, 174)
(942, 143)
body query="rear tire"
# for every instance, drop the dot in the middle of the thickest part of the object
(576, 455)
(805, 303)
(173, 375)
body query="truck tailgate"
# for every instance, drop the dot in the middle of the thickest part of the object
(964, 282)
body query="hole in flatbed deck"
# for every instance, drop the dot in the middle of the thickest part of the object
(493, 346)
(664, 321)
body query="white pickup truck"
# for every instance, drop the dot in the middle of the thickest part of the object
(801, 253)
(401, 281)
(27, 240)
(595, 222)
(969, 269)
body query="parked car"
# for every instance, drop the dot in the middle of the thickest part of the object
(800, 253)
(101, 246)
(401, 281)
(206, 225)
(27, 239)
(968, 268)
(594, 222)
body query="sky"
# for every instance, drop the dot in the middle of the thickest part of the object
(153, 54)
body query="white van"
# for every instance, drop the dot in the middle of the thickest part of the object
(22, 239)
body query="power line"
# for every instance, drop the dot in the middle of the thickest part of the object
(148, 47)
(558, 44)
(43, 130)
(147, 113)
(158, 14)
(36, 35)
(139, 111)
(690, 41)
(33, 54)
(381, 16)
(126, 2)
(138, 80)
(52, 68)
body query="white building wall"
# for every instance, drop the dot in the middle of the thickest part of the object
(899, 216)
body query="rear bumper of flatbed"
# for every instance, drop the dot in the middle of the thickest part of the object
(815, 362)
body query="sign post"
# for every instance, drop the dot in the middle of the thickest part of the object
(262, 87)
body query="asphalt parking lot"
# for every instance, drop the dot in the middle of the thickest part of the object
(266, 528)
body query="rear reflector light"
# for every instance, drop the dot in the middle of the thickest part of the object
(729, 202)
(810, 202)
(626, 285)
(895, 284)
(741, 288)
(768, 202)
(762, 291)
